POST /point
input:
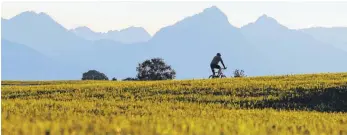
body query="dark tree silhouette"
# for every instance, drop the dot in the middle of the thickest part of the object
(94, 75)
(155, 69)
(114, 79)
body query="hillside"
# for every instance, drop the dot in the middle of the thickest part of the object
(253, 105)
(21, 61)
(335, 35)
(42, 33)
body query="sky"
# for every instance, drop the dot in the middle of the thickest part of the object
(106, 15)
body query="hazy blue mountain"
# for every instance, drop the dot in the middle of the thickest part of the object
(20, 62)
(86, 33)
(116, 59)
(69, 54)
(336, 36)
(292, 51)
(127, 36)
(40, 32)
(190, 44)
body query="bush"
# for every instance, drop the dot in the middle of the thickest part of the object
(239, 73)
(155, 69)
(114, 79)
(130, 79)
(94, 75)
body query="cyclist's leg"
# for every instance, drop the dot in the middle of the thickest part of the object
(219, 69)
(213, 72)
(212, 68)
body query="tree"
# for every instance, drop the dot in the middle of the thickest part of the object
(114, 79)
(94, 75)
(155, 69)
(239, 73)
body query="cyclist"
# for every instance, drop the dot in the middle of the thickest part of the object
(214, 63)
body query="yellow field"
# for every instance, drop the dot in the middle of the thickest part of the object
(300, 104)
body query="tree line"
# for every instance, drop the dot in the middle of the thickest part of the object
(152, 69)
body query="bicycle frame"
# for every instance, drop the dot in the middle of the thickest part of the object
(219, 74)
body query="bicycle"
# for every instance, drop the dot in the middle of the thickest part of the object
(219, 75)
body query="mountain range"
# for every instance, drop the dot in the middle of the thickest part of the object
(126, 36)
(264, 47)
(335, 36)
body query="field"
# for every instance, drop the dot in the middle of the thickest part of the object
(294, 104)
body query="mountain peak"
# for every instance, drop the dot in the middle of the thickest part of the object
(132, 28)
(209, 15)
(25, 14)
(265, 23)
(264, 19)
(44, 14)
(211, 19)
(28, 13)
(31, 15)
(213, 11)
(82, 28)
(127, 36)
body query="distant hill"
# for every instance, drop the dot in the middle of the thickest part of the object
(127, 36)
(20, 62)
(40, 32)
(292, 51)
(336, 36)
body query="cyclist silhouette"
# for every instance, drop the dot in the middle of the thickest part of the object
(214, 63)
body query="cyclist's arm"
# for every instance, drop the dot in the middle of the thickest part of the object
(222, 62)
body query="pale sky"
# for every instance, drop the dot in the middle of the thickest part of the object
(104, 16)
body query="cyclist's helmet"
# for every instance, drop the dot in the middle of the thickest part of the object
(218, 54)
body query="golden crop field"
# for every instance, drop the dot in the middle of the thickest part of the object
(313, 104)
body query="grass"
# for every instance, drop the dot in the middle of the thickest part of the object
(295, 104)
